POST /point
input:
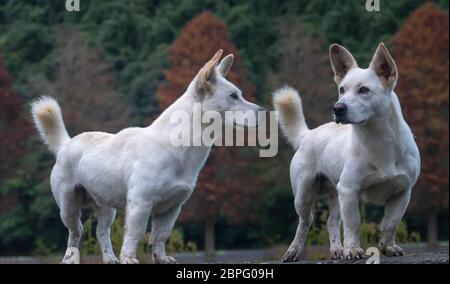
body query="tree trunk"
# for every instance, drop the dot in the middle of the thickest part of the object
(432, 228)
(209, 238)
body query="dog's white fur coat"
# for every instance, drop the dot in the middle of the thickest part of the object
(373, 157)
(137, 168)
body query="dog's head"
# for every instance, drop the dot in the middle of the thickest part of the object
(363, 93)
(216, 93)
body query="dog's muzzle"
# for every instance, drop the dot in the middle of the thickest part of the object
(340, 110)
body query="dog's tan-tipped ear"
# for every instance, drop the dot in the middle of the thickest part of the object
(225, 65)
(341, 61)
(384, 66)
(206, 75)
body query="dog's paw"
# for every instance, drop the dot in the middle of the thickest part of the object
(128, 260)
(353, 253)
(68, 260)
(293, 254)
(111, 259)
(164, 260)
(337, 253)
(72, 256)
(392, 250)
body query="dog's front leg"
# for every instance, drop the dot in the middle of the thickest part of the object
(393, 213)
(162, 226)
(136, 220)
(348, 195)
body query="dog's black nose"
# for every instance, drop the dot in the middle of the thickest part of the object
(340, 109)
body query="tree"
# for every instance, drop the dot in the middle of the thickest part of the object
(331, 20)
(421, 51)
(226, 186)
(85, 86)
(15, 130)
(302, 62)
(14, 127)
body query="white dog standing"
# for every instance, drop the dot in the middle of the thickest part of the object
(137, 168)
(371, 156)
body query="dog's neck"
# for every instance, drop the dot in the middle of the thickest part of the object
(379, 137)
(382, 125)
(188, 104)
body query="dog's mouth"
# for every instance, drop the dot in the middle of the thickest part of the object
(361, 122)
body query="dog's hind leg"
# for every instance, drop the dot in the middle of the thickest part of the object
(334, 225)
(305, 193)
(70, 213)
(393, 213)
(162, 226)
(105, 218)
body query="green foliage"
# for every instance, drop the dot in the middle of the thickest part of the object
(134, 34)
(28, 42)
(369, 232)
(177, 243)
(91, 246)
(13, 221)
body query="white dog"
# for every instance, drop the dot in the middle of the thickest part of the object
(372, 155)
(137, 168)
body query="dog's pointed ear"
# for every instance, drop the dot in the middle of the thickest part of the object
(225, 65)
(341, 61)
(384, 66)
(207, 75)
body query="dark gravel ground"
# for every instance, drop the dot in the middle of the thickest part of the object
(441, 257)
(421, 258)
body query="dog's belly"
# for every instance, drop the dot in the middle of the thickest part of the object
(103, 181)
(106, 193)
(379, 190)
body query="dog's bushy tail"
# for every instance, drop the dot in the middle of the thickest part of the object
(48, 119)
(288, 104)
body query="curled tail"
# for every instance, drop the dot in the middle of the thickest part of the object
(288, 104)
(49, 122)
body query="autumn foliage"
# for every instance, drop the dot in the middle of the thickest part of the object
(303, 63)
(14, 126)
(85, 86)
(421, 49)
(197, 42)
(226, 186)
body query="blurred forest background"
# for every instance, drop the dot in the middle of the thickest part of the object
(119, 63)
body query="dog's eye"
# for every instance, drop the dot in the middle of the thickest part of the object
(234, 96)
(341, 90)
(363, 90)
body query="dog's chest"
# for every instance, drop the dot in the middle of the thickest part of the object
(379, 186)
(172, 197)
(191, 162)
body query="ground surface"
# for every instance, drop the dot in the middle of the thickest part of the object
(420, 258)
(254, 256)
